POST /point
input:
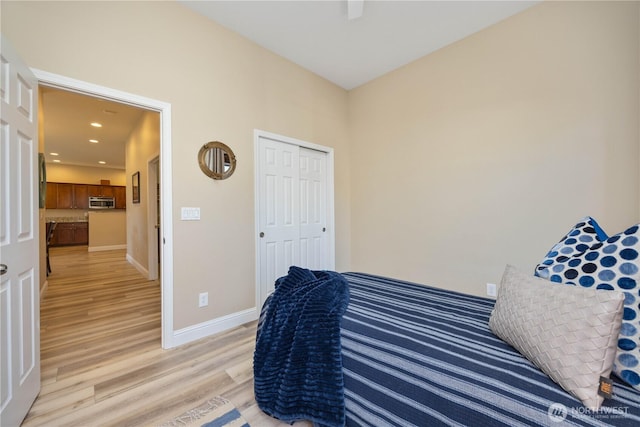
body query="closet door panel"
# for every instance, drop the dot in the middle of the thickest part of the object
(313, 208)
(279, 214)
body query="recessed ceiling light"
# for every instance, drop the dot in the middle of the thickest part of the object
(102, 162)
(94, 141)
(54, 154)
(96, 125)
(56, 161)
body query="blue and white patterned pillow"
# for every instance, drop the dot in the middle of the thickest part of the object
(610, 264)
(581, 237)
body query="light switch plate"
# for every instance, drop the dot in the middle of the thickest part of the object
(190, 214)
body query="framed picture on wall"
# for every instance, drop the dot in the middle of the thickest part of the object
(135, 187)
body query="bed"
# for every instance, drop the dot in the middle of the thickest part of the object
(414, 355)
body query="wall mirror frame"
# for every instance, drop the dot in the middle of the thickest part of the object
(217, 160)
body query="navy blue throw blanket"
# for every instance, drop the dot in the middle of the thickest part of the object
(297, 363)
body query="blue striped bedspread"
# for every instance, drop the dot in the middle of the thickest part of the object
(420, 356)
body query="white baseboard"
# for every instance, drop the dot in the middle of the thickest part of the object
(138, 266)
(106, 248)
(44, 289)
(212, 327)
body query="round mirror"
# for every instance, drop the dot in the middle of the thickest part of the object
(217, 160)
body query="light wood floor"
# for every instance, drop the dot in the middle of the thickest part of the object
(101, 359)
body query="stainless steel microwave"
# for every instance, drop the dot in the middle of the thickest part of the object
(102, 203)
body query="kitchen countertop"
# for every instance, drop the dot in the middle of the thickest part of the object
(67, 219)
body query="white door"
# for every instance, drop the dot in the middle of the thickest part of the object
(313, 209)
(19, 227)
(294, 212)
(279, 213)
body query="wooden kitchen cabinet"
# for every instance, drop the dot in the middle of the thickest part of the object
(70, 233)
(63, 234)
(101, 190)
(67, 196)
(81, 233)
(80, 196)
(62, 195)
(120, 194)
(51, 196)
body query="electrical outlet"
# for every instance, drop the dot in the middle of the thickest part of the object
(203, 299)
(492, 289)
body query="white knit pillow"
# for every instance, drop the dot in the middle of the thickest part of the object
(569, 332)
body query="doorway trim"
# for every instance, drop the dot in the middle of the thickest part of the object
(152, 216)
(331, 236)
(164, 109)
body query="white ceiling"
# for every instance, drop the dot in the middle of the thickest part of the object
(316, 35)
(67, 128)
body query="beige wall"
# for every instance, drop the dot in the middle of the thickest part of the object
(84, 174)
(220, 87)
(142, 146)
(486, 152)
(107, 230)
(480, 154)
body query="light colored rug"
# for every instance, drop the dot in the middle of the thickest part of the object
(216, 412)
